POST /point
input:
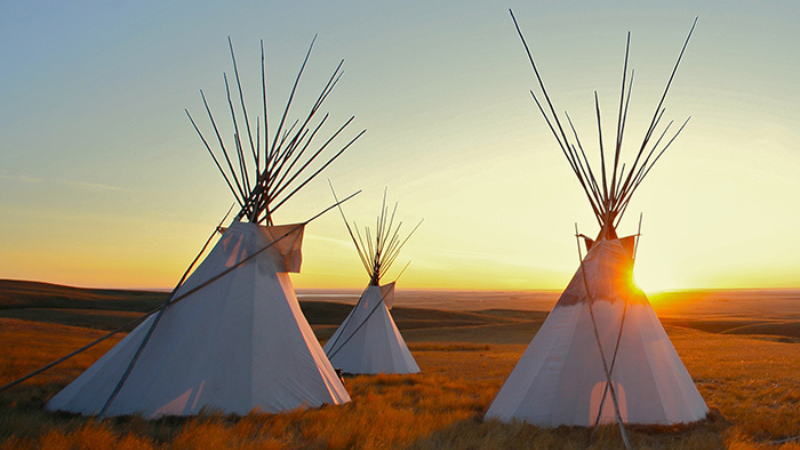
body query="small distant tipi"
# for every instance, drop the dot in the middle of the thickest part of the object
(232, 337)
(602, 354)
(368, 341)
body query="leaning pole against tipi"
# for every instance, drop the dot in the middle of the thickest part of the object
(368, 341)
(602, 354)
(232, 337)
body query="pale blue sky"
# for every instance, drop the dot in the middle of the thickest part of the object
(103, 181)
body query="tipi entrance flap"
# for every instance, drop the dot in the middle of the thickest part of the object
(601, 399)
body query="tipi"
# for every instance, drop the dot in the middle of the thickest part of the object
(368, 341)
(602, 354)
(232, 337)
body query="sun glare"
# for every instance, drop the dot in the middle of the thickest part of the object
(654, 281)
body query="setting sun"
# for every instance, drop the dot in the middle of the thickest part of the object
(587, 260)
(118, 191)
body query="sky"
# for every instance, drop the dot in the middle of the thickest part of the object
(104, 183)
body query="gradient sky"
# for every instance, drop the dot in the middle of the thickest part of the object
(103, 182)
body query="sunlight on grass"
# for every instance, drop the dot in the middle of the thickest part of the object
(750, 382)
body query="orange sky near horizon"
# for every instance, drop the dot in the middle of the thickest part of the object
(103, 182)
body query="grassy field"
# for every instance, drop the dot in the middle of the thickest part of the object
(746, 366)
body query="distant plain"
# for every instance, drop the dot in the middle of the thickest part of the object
(742, 348)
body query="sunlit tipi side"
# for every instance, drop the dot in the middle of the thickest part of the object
(368, 341)
(602, 354)
(232, 337)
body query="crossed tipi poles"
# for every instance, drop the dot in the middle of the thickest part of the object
(602, 339)
(240, 297)
(368, 341)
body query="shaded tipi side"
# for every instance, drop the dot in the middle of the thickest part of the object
(602, 355)
(368, 341)
(232, 337)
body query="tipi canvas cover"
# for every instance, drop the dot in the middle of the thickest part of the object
(560, 379)
(238, 344)
(602, 354)
(368, 341)
(232, 337)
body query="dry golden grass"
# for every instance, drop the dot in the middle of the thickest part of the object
(754, 381)
(29, 345)
(752, 384)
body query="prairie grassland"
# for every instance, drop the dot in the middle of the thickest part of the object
(29, 345)
(751, 383)
(754, 381)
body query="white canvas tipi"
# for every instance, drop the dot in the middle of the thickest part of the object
(602, 354)
(368, 341)
(232, 337)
